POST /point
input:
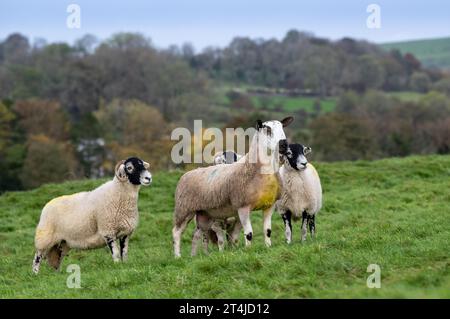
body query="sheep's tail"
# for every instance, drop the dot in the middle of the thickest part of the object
(44, 237)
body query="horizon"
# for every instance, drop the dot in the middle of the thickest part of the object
(204, 24)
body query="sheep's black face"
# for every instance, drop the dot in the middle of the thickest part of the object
(136, 171)
(296, 156)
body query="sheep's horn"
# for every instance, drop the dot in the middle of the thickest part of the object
(117, 168)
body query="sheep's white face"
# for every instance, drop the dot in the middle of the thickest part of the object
(273, 133)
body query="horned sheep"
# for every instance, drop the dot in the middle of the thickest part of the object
(93, 219)
(236, 189)
(301, 192)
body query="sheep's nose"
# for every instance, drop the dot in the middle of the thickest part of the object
(148, 179)
(304, 164)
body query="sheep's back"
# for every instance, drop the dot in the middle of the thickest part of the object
(205, 188)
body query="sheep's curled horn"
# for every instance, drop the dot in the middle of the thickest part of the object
(259, 124)
(121, 176)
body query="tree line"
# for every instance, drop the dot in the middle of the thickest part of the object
(71, 111)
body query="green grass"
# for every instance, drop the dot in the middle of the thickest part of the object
(407, 96)
(290, 104)
(431, 52)
(393, 212)
(272, 102)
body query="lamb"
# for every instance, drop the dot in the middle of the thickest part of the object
(301, 191)
(93, 219)
(226, 157)
(216, 230)
(223, 191)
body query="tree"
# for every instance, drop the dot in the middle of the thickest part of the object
(343, 137)
(43, 117)
(131, 127)
(420, 82)
(47, 161)
(6, 119)
(443, 86)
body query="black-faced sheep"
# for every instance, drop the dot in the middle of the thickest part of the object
(301, 191)
(224, 191)
(93, 219)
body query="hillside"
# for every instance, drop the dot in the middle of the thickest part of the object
(431, 52)
(392, 212)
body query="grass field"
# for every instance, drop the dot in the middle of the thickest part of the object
(431, 52)
(393, 212)
(278, 102)
(292, 104)
(407, 96)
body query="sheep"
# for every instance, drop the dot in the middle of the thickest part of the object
(301, 191)
(226, 157)
(93, 219)
(223, 191)
(215, 230)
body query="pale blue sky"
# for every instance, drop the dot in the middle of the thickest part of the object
(216, 22)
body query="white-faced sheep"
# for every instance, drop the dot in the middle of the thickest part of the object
(301, 192)
(215, 230)
(224, 191)
(93, 219)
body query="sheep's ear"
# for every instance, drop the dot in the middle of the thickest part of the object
(286, 121)
(307, 150)
(259, 125)
(120, 171)
(146, 165)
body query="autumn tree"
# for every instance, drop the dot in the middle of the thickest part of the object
(48, 161)
(43, 117)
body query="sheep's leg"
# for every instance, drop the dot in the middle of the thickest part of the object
(236, 232)
(287, 226)
(115, 251)
(124, 247)
(268, 225)
(218, 229)
(177, 231)
(38, 257)
(304, 225)
(312, 225)
(205, 240)
(64, 250)
(195, 239)
(244, 217)
(56, 255)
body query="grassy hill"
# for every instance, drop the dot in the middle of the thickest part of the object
(431, 52)
(393, 212)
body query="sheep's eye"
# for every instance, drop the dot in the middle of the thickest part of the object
(268, 130)
(129, 168)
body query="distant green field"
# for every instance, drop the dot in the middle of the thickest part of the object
(287, 103)
(431, 52)
(278, 102)
(407, 96)
(394, 213)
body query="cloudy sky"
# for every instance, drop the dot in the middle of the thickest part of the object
(216, 22)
